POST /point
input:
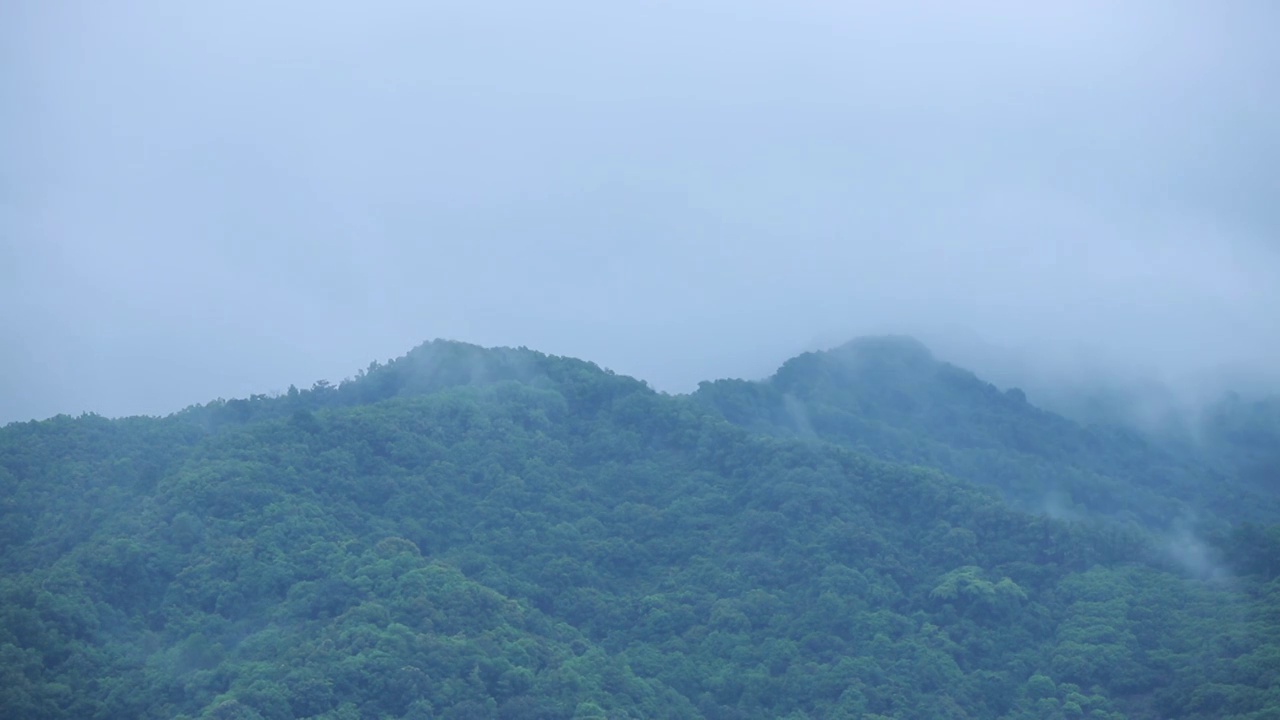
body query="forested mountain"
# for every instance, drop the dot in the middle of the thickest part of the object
(475, 533)
(889, 397)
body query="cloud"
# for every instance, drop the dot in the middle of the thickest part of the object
(216, 200)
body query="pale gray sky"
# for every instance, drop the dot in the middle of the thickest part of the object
(216, 199)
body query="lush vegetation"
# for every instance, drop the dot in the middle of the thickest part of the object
(470, 533)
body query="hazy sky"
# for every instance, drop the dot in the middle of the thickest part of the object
(215, 199)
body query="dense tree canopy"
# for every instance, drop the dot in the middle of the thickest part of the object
(472, 533)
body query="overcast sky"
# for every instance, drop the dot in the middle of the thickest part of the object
(216, 199)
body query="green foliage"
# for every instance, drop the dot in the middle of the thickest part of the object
(465, 533)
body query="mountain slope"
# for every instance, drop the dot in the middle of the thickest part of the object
(465, 533)
(1243, 437)
(890, 397)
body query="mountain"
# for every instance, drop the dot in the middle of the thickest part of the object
(497, 533)
(889, 397)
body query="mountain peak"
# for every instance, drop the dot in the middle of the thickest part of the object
(902, 347)
(878, 360)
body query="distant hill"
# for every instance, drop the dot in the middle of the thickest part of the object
(891, 398)
(498, 533)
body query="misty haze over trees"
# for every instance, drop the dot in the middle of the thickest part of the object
(904, 360)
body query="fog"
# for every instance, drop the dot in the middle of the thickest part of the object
(203, 200)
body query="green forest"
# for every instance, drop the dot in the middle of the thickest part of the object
(478, 533)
